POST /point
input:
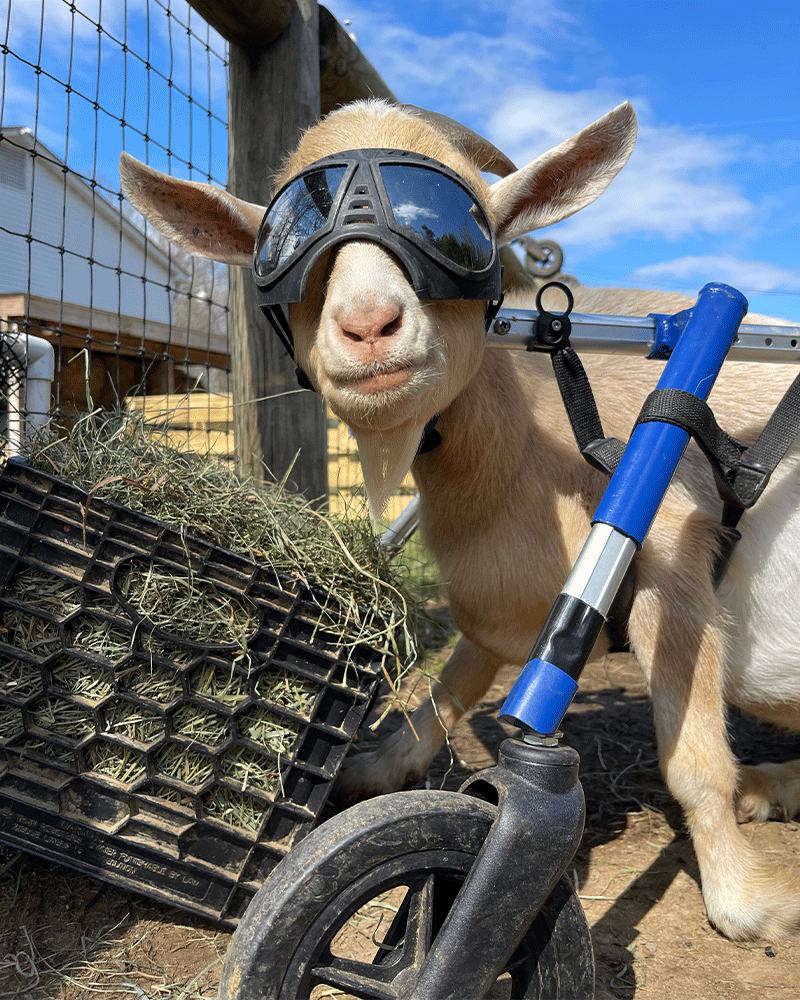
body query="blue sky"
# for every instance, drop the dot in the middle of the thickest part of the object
(712, 191)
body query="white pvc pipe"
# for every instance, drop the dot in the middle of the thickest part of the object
(37, 360)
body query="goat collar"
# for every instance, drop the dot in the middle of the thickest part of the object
(431, 438)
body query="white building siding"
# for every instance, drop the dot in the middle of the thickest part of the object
(61, 211)
(15, 207)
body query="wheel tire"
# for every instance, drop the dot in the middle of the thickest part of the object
(425, 840)
(548, 259)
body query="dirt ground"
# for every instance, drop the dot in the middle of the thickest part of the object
(64, 936)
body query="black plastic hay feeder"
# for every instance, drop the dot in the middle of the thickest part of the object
(180, 767)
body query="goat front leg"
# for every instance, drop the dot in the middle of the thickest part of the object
(746, 897)
(402, 759)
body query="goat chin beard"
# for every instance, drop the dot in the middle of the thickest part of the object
(386, 457)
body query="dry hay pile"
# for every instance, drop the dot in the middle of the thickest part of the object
(118, 458)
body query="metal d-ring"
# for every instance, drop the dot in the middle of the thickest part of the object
(553, 329)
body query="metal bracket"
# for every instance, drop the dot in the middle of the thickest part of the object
(539, 824)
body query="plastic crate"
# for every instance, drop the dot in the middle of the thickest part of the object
(162, 763)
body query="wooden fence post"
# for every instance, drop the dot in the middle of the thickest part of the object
(273, 95)
(274, 92)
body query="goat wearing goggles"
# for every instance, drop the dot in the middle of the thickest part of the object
(416, 207)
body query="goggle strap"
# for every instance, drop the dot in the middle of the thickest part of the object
(280, 324)
(493, 308)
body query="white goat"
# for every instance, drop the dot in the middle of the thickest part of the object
(506, 499)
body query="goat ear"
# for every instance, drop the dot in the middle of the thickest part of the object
(565, 179)
(201, 218)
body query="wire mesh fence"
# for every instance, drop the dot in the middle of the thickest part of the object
(12, 381)
(135, 324)
(132, 320)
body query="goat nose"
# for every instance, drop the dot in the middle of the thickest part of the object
(369, 324)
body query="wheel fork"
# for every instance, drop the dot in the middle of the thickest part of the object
(540, 816)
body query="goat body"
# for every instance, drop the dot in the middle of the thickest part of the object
(506, 500)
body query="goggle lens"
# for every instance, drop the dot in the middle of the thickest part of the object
(440, 212)
(296, 214)
(419, 210)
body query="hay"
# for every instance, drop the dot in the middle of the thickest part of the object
(120, 459)
(101, 637)
(61, 754)
(119, 763)
(20, 680)
(163, 793)
(287, 690)
(242, 766)
(37, 589)
(35, 635)
(228, 760)
(187, 608)
(177, 761)
(10, 722)
(64, 718)
(220, 684)
(133, 722)
(160, 684)
(266, 729)
(233, 808)
(200, 725)
(85, 679)
(179, 655)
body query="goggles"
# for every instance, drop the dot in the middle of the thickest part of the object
(416, 207)
(413, 205)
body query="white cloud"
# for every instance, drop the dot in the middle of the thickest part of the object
(56, 23)
(752, 275)
(408, 213)
(497, 81)
(674, 184)
(462, 73)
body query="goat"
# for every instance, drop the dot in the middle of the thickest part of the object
(506, 500)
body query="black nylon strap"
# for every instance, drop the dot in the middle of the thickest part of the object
(741, 473)
(601, 452)
(772, 443)
(684, 410)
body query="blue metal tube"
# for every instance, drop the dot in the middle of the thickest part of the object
(637, 488)
(544, 689)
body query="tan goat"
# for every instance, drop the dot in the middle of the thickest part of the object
(506, 499)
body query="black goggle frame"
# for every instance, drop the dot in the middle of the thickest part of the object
(360, 207)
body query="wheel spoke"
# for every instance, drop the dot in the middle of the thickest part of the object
(409, 937)
(359, 979)
(419, 924)
(411, 851)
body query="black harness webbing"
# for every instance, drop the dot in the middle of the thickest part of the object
(740, 473)
(600, 451)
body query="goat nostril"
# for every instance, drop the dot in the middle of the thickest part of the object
(393, 326)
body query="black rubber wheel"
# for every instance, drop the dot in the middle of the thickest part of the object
(403, 857)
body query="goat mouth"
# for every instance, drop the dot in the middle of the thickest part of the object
(377, 377)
